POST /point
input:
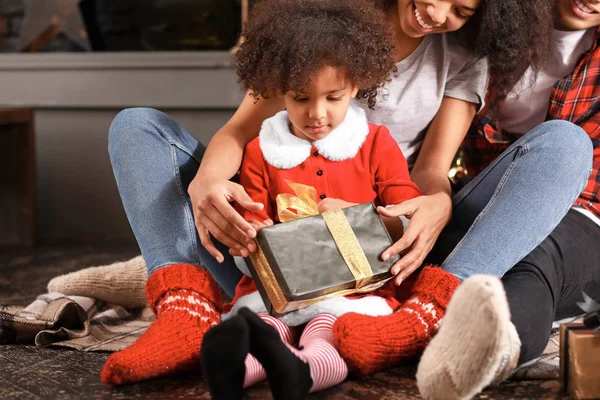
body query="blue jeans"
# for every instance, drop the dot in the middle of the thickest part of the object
(154, 159)
(501, 216)
(516, 202)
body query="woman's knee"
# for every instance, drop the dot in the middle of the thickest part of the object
(567, 146)
(567, 139)
(128, 128)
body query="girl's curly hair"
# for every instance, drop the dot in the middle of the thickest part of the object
(513, 34)
(286, 42)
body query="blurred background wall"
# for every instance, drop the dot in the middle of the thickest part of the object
(76, 75)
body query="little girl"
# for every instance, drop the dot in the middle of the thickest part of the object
(328, 53)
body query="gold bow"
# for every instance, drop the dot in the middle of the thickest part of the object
(302, 205)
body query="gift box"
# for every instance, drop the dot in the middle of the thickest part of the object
(580, 360)
(311, 258)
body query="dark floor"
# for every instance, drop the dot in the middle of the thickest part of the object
(27, 372)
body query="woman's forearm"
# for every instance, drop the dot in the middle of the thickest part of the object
(443, 138)
(432, 182)
(223, 156)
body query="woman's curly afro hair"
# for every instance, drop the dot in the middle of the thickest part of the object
(286, 43)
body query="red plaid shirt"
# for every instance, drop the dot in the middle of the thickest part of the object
(576, 98)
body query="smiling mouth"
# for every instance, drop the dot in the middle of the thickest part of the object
(583, 7)
(421, 21)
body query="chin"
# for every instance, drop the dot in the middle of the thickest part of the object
(320, 136)
(576, 24)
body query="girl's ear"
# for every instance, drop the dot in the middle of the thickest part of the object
(354, 92)
(279, 93)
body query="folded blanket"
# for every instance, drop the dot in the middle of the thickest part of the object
(81, 323)
(85, 317)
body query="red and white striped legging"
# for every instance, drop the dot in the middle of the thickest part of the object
(327, 368)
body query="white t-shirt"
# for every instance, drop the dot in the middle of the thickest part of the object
(438, 67)
(527, 105)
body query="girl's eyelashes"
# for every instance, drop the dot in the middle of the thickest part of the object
(300, 99)
(305, 99)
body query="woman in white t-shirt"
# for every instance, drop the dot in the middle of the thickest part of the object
(174, 204)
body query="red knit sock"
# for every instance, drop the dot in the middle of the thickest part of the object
(187, 302)
(370, 344)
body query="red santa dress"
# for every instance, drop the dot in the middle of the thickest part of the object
(357, 162)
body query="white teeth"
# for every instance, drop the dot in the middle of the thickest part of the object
(583, 7)
(422, 22)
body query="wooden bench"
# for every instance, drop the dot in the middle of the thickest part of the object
(17, 177)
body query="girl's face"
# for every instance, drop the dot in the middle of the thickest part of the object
(574, 15)
(315, 113)
(423, 17)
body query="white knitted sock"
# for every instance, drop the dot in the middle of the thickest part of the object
(476, 345)
(121, 283)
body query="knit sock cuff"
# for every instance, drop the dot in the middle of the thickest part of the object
(186, 277)
(437, 284)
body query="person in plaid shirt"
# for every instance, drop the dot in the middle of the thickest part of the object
(517, 312)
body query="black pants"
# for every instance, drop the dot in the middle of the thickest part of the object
(547, 284)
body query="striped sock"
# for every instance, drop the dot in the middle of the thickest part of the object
(254, 370)
(288, 375)
(223, 353)
(327, 368)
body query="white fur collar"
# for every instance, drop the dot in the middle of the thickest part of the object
(283, 150)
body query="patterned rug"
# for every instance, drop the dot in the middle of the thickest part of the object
(36, 371)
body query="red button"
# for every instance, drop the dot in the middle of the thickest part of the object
(322, 196)
(319, 172)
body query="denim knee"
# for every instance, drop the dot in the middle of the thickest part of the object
(127, 129)
(569, 146)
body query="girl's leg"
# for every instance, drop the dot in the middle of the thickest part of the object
(227, 365)
(254, 370)
(509, 208)
(294, 372)
(327, 368)
(154, 160)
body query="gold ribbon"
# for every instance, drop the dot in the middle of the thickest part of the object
(302, 205)
(347, 243)
(267, 279)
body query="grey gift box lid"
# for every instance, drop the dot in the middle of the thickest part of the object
(306, 261)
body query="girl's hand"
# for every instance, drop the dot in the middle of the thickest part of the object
(214, 215)
(333, 204)
(428, 216)
(257, 226)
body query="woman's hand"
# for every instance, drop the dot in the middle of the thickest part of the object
(214, 215)
(428, 216)
(257, 225)
(333, 204)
